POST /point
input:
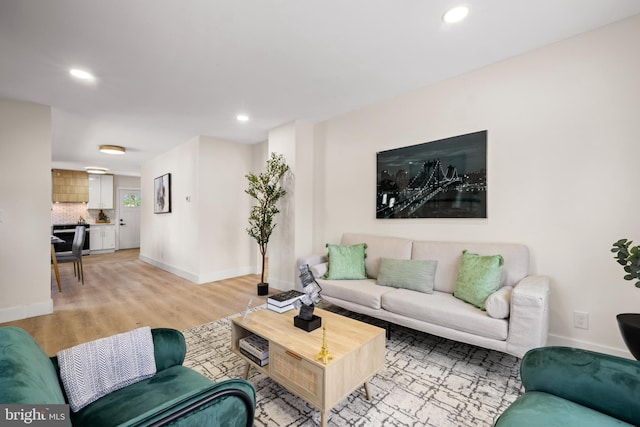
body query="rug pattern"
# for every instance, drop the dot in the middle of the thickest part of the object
(426, 381)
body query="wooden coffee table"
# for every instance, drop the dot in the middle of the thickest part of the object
(358, 351)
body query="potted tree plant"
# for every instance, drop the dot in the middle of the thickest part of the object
(267, 190)
(629, 323)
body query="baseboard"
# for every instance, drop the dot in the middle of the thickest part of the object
(281, 284)
(171, 269)
(199, 279)
(18, 312)
(225, 274)
(557, 340)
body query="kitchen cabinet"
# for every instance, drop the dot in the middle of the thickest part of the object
(100, 192)
(102, 238)
(69, 186)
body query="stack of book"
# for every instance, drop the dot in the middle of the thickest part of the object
(255, 348)
(283, 301)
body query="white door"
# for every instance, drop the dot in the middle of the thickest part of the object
(128, 218)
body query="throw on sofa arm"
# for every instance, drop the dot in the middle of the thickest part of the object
(529, 317)
(586, 381)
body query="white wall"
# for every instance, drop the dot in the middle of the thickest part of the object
(292, 238)
(563, 150)
(203, 238)
(25, 210)
(171, 240)
(125, 181)
(225, 247)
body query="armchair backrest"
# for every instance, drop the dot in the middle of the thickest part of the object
(602, 382)
(78, 240)
(169, 346)
(27, 375)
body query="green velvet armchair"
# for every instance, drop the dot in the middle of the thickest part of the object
(175, 394)
(572, 387)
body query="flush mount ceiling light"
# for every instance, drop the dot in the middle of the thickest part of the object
(112, 149)
(242, 118)
(455, 14)
(81, 74)
(96, 170)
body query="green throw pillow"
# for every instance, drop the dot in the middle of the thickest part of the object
(413, 274)
(478, 277)
(346, 262)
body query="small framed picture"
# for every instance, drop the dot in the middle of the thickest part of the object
(162, 194)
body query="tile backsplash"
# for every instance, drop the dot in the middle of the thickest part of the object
(70, 213)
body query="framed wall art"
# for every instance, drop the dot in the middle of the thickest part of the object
(446, 178)
(162, 194)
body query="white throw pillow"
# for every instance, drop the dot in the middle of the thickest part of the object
(319, 270)
(498, 303)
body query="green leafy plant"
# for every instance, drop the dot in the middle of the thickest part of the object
(629, 257)
(266, 189)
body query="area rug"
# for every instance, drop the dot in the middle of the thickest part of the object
(426, 381)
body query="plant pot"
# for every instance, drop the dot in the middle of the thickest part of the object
(629, 324)
(263, 289)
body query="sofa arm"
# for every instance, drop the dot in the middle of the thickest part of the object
(312, 260)
(227, 403)
(317, 263)
(529, 318)
(602, 382)
(169, 347)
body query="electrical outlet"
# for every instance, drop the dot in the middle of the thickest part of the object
(581, 320)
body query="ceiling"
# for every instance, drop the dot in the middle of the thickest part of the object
(169, 70)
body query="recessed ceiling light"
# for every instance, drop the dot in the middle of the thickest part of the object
(455, 14)
(112, 149)
(81, 74)
(96, 170)
(242, 118)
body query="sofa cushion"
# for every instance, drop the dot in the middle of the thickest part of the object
(346, 262)
(449, 254)
(441, 308)
(379, 247)
(499, 303)
(411, 274)
(27, 375)
(478, 277)
(363, 292)
(139, 400)
(534, 409)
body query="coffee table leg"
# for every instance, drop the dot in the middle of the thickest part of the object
(366, 391)
(246, 371)
(323, 419)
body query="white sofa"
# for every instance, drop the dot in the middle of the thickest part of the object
(440, 313)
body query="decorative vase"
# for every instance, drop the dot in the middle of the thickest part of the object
(629, 324)
(263, 289)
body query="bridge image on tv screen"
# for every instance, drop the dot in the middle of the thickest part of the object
(439, 179)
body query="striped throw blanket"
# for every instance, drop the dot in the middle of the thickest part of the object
(95, 369)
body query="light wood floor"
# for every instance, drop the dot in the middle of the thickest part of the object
(123, 293)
